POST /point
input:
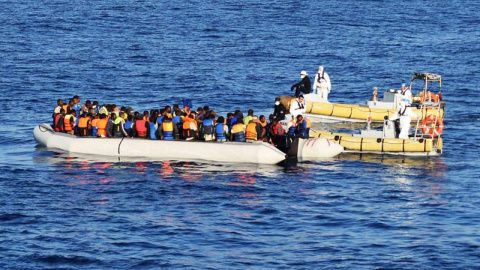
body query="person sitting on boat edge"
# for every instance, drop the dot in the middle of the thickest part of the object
(405, 114)
(304, 86)
(322, 84)
(279, 110)
(297, 106)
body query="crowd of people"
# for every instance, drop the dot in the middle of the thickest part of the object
(174, 123)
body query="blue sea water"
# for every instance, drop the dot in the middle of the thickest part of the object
(61, 211)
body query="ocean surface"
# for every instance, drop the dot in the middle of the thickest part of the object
(60, 211)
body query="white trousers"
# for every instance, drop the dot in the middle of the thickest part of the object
(404, 127)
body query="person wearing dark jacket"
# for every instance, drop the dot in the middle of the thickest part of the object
(304, 86)
(280, 110)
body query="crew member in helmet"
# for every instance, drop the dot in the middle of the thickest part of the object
(303, 86)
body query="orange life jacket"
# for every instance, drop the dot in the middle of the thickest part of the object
(67, 124)
(83, 126)
(251, 131)
(102, 127)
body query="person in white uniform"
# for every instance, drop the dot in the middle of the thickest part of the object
(321, 83)
(406, 94)
(297, 107)
(405, 114)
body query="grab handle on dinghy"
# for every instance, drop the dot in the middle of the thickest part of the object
(120, 145)
(45, 129)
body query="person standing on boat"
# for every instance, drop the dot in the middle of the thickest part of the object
(405, 114)
(321, 84)
(303, 86)
(297, 106)
(280, 110)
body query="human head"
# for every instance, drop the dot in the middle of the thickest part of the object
(404, 85)
(320, 69)
(229, 115)
(250, 112)
(300, 98)
(221, 120)
(255, 119)
(103, 116)
(168, 109)
(59, 102)
(113, 116)
(299, 118)
(76, 99)
(262, 118)
(88, 103)
(303, 73)
(62, 112)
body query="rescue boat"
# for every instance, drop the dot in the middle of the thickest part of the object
(426, 102)
(426, 142)
(231, 152)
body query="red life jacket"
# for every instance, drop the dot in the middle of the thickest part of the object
(277, 127)
(141, 128)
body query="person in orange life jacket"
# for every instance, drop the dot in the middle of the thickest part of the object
(291, 126)
(301, 128)
(167, 130)
(264, 124)
(190, 127)
(279, 110)
(59, 123)
(253, 131)
(248, 118)
(238, 131)
(102, 125)
(141, 127)
(238, 114)
(304, 86)
(208, 127)
(69, 122)
(94, 122)
(130, 126)
(84, 127)
(221, 130)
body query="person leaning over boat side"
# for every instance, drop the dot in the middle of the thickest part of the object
(238, 131)
(405, 114)
(297, 106)
(221, 130)
(321, 83)
(279, 110)
(304, 86)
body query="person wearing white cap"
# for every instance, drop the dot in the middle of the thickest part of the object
(406, 94)
(321, 84)
(405, 114)
(303, 86)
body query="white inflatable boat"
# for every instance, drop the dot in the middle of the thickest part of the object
(232, 152)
